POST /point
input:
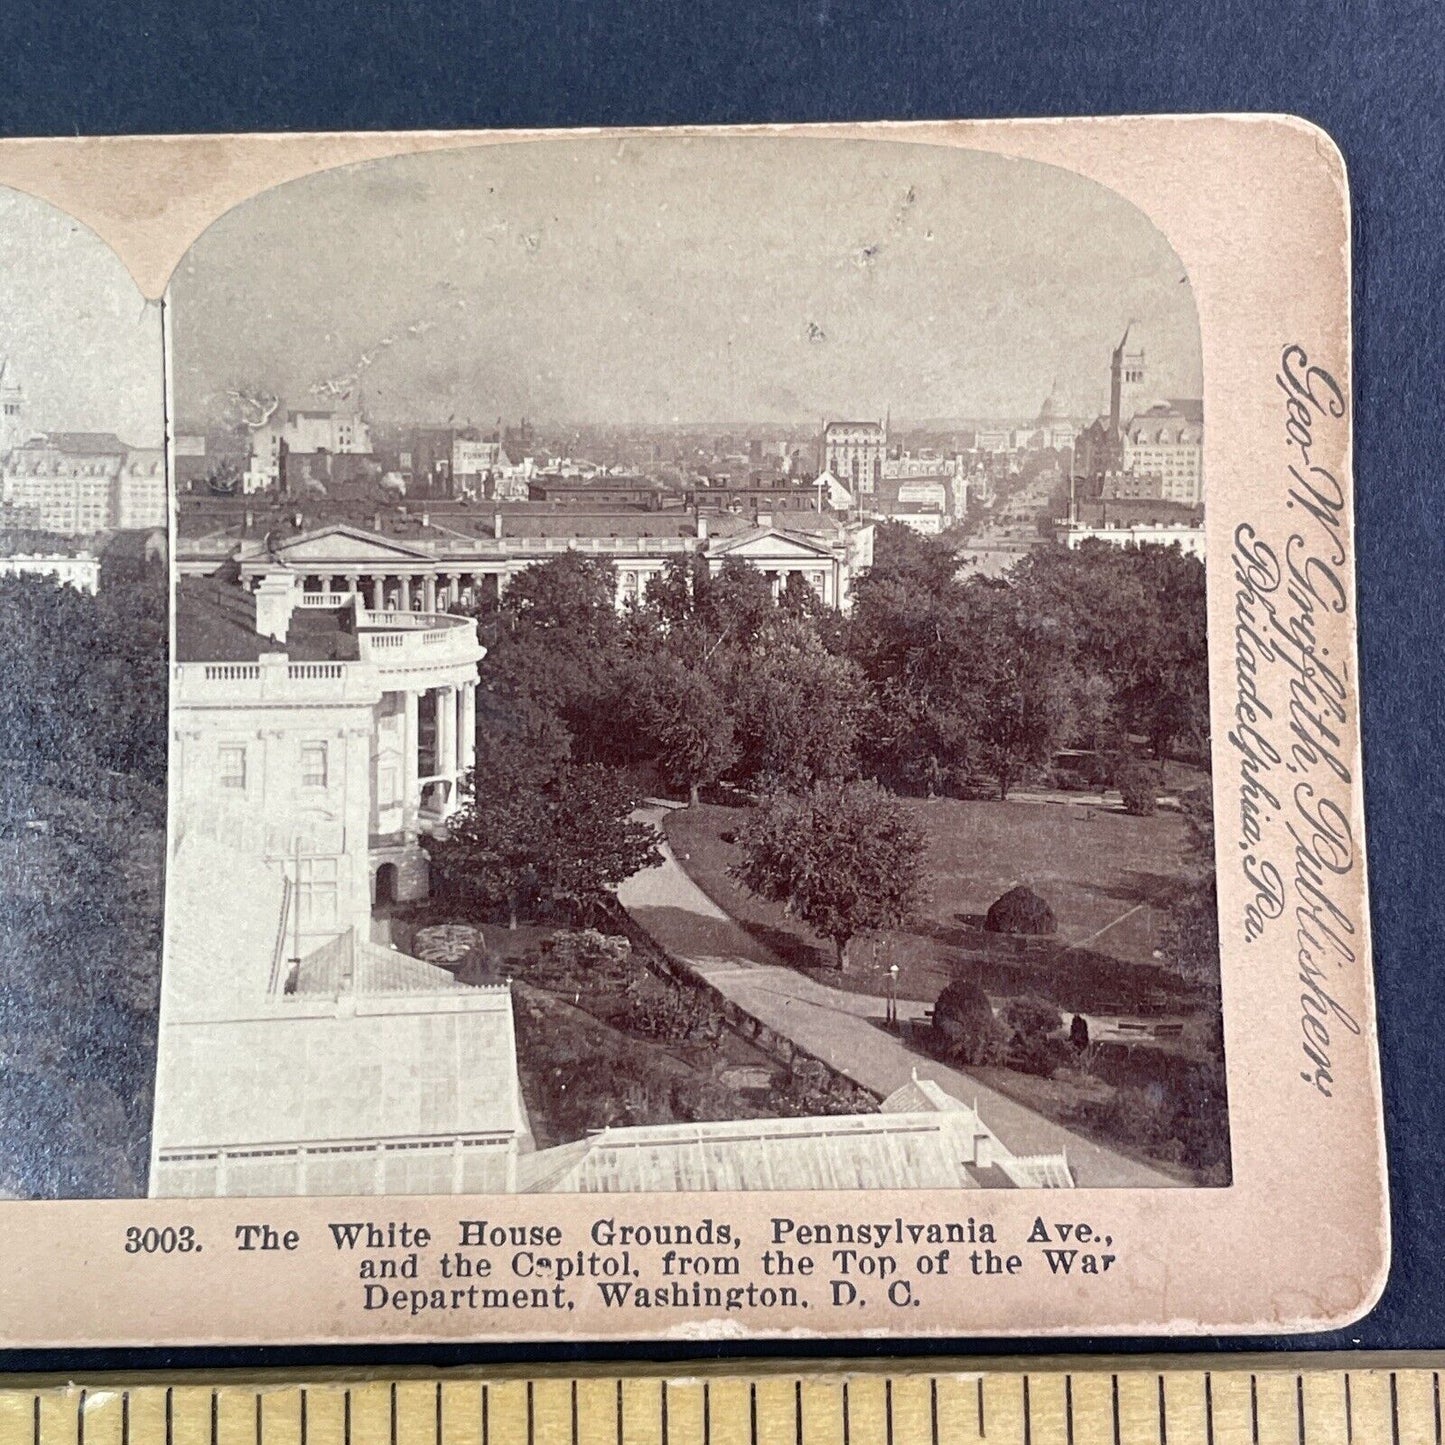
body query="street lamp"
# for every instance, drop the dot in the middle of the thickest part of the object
(893, 994)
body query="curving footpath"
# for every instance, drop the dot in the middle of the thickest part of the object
(838, 1027)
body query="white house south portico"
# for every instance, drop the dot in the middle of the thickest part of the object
(309, 720)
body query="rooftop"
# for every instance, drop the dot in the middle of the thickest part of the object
(216, 622)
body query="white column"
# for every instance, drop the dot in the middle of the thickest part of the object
(469, 727)
(404, 583)
(459, 730)
(411, 796)
(446, 747)
(429, 592)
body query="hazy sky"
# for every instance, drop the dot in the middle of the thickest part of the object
(85, 346)
(664, 279)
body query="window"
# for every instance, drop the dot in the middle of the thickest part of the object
(313, 765)
(316, 893)
(233, 767)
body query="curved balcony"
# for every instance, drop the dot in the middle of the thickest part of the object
(397, 641)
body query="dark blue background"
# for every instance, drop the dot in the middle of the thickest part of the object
(1371, 73)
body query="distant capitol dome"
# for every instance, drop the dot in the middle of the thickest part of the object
(1053, 408)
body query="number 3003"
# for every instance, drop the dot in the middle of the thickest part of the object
(161, 1241)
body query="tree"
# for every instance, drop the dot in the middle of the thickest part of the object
(691, 726)
(799, 710)
(555, 833)
(845, 859)
(1027, 682)
(491, 857)
(1191, 941)
(594, 841)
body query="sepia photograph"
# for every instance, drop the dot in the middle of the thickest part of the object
(690, 674)
(83, 648)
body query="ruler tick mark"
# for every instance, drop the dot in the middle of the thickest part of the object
(1208, 1408)
(1349, 1412)
(619, 1412)
(1435, 1376)
(303, 1416)
(531, 1416)
(1394, 1409)
(258, 1421)
(982, 1432)
(933, 1410)
(170, 1420)
(215, 1416)
(574, 1412)
(393, 1412)
(1114, 1401)
(80, 1419)
(888, 1409)
(1163, 1415)
(753, 1414)
(346, 1416)
(706, 1413)
(1068, 1410)
(662, 1403)
(35, 1420)
(1299, 1407)
(125, 1417)
(486, 1417)
(1028, 1421)
(797, 1412)
(847, 1426)
(1253, 1410)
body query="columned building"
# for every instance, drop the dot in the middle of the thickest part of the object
(314, 718)
(428, 566)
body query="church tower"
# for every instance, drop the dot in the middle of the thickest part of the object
(12, 408)
(1126, 381)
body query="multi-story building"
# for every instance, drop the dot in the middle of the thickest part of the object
(304, 431)
(43, 554)
(1143, 448)
(1167, 441)
(1137, 522)
(140, 490)
(309, 710)
(77, 483)
(854, 451)
(438, 557)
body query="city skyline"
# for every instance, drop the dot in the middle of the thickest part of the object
(509, 281)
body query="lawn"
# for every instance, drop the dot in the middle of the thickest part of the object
(1107, 876)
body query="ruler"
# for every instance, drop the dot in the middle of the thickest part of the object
(1267, 1401)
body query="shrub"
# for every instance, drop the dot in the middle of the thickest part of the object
(1032, 1022)
(963, 1018)
(1079, 1033)
(1020, 911)
(670, 1013)
(1031, 1017)
(1138, 785)
(813, 1089)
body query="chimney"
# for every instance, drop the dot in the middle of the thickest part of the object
(376, 522)
(426, 519)
(250, 519)
(275, 601)
(765, 517)
(701, 527)
(497, 525)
